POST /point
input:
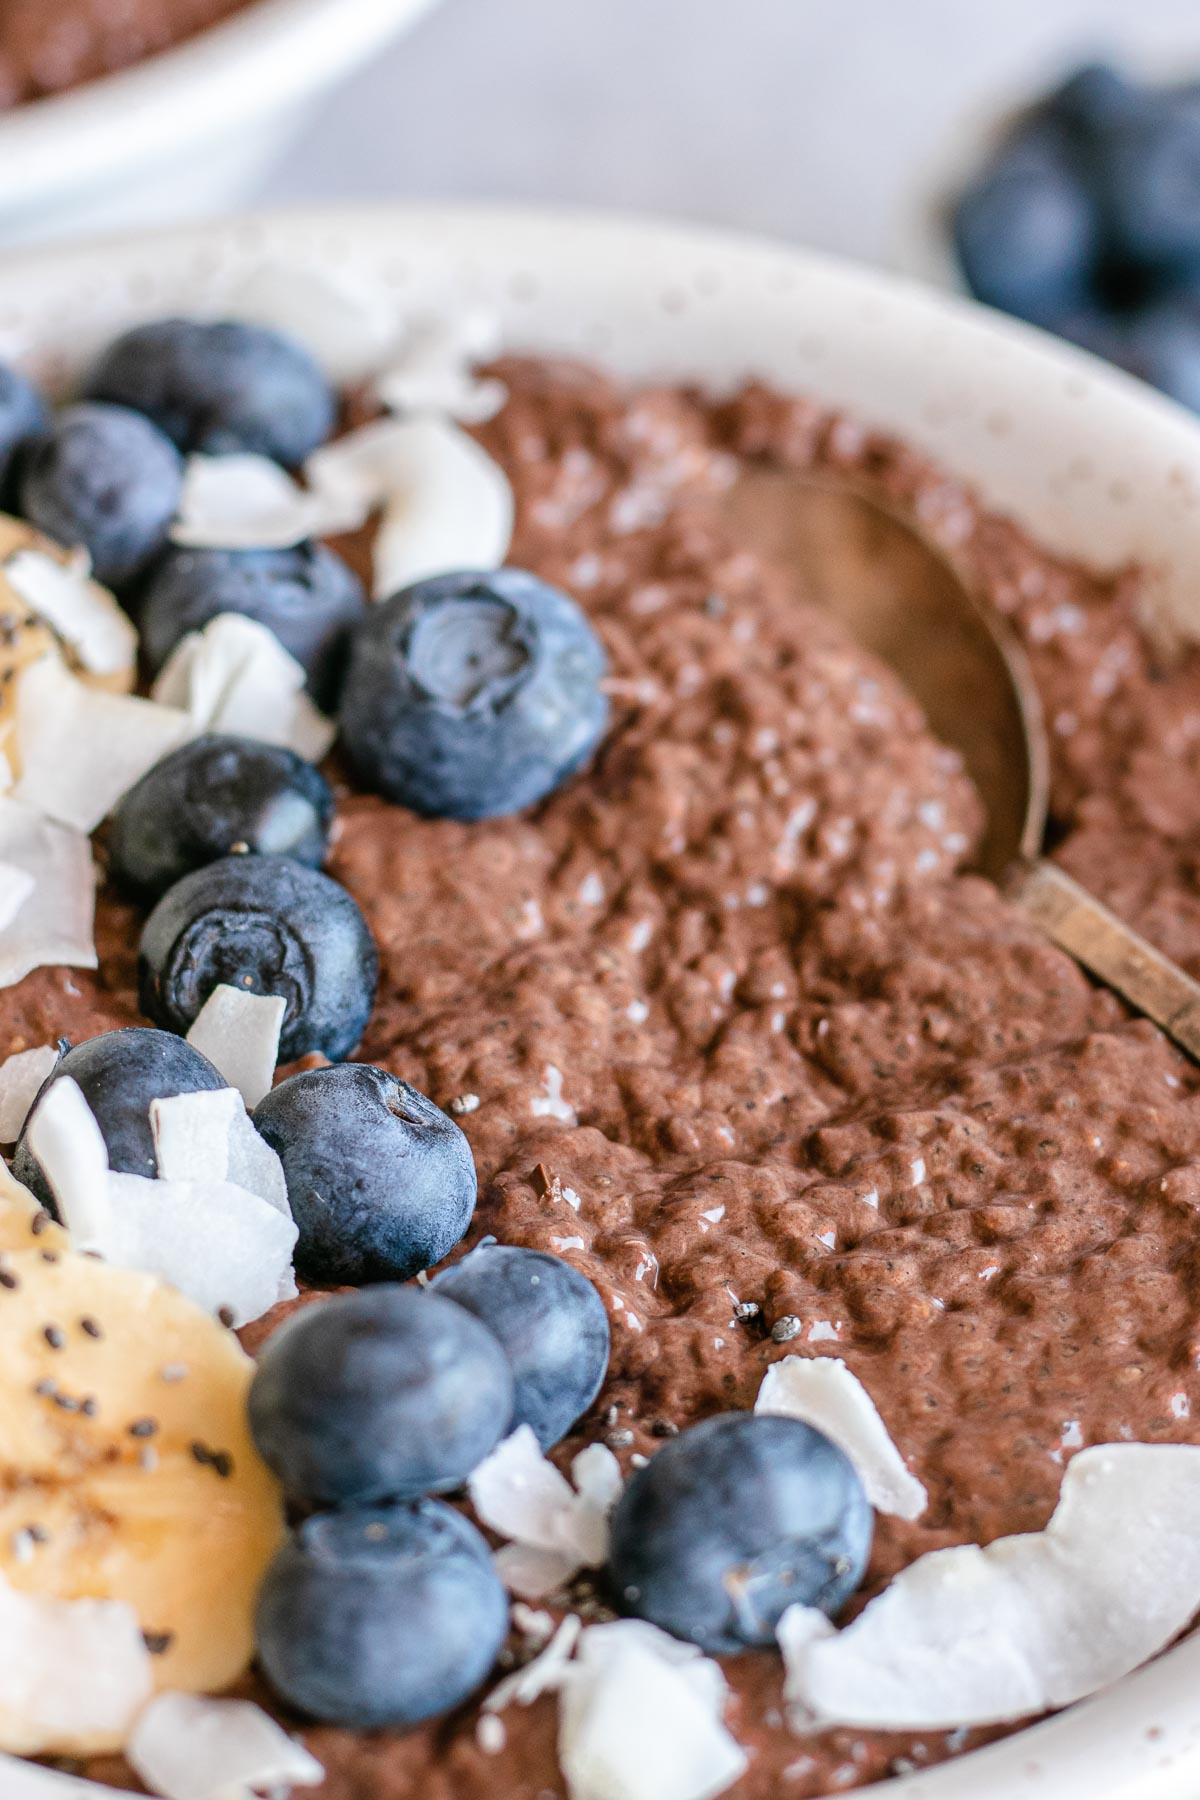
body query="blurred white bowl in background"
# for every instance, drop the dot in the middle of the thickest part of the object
(190, 130)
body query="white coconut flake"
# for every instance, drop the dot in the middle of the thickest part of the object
(20, 1078)
(192, 1747)
(16, 886)
(99, 633)
(551, 1104)
(65, 1139)
(239, 1034)
(823, 1392)
(80, 748)
(640, 1718)
(542, 1675)
(556, 1532)
(434, 369)
(972, 1636)
(236, 677)
(208, 1137)
(247, 502)
(446, 504)
(349, 326)
(218, 1243)
(69, 1669)
(56, 923)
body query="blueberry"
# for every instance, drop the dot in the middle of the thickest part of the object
(23, 416)
(1091, 100)
(1162, 345)
(734, 1521)
(220, 387)
(379, 1617)
(551, 1322)
(106, 478)
(307, 596)
(270, 926)
(1148, 174)
(1027, 231)
(386, 1394)
(381, 1183)
(120, 1073)
(469, 696)
(212, 797)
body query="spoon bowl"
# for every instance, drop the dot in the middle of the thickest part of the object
(901, 597)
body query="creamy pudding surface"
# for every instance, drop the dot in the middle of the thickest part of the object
(731, 1029)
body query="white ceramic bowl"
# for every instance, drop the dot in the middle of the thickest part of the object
(189, 131)
(1093, 462)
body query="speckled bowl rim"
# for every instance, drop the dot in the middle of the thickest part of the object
(1096, 464)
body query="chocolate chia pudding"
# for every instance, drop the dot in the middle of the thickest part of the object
(731, 1028)
(47, 47)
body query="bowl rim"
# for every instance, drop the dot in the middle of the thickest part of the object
(268, 56)
(678, 299)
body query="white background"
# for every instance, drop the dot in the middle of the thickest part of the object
(821, 120)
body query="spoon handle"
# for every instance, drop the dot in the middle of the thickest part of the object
(1110, 950)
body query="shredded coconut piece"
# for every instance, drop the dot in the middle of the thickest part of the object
(823, 1392)
(239, 1034)
(207, 1137)
(551, 1104)
(640, 1717)
(247, 502)
(192, 1747)
(70, 1670)
(446, 504)
(56, 924)
(971, 1636)
(99, 633)
(433, 371)
(543, 1675)
(65, 1139)
(235, 676)
(80, 748)
(20, 1078)
(556, 1531)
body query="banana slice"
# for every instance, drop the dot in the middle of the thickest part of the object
(25, 635)
(127, 1471)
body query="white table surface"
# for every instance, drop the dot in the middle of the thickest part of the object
(815, 119)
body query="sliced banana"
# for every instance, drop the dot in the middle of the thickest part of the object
(127, 1471)
(25, 635)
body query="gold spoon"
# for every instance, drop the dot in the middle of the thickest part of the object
(900, 597)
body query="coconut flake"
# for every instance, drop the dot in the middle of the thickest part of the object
(822, 1392)
(349, 326)
(191, 1747)
(218, 1243)
(247, 502)
(16, 885)
(434, 370)
(21, 1076)
(446, 504)
(972, 1636)
(555, 1531)
(236, 677)
(80, 748)
(542, 1675)
(99, 633)
(640, 1717)
(55, 924)
(207, 1137)
(239, 1034)
(69, 1670)
(65, 1139)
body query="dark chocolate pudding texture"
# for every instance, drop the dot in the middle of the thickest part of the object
(732, 989)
